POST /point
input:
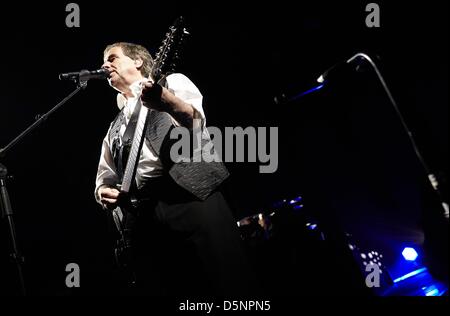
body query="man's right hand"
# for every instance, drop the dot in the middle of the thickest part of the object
(109, 197)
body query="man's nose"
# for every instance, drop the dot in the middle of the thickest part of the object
(107, 65)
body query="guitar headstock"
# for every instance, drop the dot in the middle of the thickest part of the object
(169, 52)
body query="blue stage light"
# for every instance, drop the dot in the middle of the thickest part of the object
(410, 275)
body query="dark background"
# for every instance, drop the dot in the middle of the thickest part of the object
(342, 148)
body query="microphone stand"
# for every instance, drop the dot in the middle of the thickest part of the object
(431, 177)
(5, 203)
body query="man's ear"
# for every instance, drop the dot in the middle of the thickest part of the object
(138, 63)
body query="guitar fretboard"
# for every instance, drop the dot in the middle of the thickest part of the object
(138, 140)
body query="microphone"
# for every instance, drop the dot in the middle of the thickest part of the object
(332, 70)
(341, 66)
(85, 75)
(337, 69)
(292, 94)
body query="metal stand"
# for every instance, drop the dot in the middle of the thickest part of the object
(8, 213)
(289, 97)
(4, 197)
(431, 177)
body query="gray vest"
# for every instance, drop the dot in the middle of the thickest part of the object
(200, 178)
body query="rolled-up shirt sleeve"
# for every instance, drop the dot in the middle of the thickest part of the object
(106, 173)
(183, 88)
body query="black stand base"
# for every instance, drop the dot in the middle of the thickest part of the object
(8, 213)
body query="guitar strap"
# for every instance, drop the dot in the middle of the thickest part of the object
(121, 145)
(127, 139)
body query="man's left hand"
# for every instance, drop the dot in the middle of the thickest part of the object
(151, 95)
(158, 98)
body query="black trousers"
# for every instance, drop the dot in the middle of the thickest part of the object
(184, 246)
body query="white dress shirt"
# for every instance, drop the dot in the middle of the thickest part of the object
(149, 163)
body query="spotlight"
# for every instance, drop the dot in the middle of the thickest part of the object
(410, 254)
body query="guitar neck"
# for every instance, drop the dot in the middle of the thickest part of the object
(165, 60)
(133, 157)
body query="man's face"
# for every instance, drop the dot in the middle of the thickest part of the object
(123, 70)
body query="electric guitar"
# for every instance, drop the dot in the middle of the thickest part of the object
(165, 60)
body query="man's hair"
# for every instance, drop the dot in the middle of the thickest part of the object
(135, 51)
